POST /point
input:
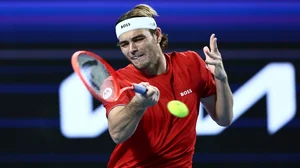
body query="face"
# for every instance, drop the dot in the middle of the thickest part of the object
(140, 47)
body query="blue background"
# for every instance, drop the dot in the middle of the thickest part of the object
(92, 21)
(37, 39)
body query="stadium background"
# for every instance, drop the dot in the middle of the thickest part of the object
(37, 39)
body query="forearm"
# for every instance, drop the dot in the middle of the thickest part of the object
(123, 124)
(224, 103)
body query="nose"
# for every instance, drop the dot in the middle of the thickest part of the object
(132, 48)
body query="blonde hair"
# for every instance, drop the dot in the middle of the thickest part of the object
(144, 10)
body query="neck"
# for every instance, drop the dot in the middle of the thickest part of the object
(157, 68)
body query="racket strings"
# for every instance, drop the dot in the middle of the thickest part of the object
(97, 76)
(94, 71)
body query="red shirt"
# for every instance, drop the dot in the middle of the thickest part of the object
(161, 139)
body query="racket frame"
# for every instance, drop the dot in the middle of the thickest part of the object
(112, 72)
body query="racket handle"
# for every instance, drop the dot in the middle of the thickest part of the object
(140, 89)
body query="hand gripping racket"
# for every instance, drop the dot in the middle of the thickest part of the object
(100, 78)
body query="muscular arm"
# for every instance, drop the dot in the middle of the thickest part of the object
(220, 105)
(123, 121)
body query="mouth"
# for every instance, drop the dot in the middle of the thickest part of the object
(137, 57)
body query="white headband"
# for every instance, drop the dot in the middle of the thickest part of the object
(135, 23)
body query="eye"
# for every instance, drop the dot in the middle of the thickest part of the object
(124, 45)
(138, 39)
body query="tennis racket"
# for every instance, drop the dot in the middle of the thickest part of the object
(100, 78)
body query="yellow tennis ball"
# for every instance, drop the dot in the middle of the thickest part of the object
(178, 109)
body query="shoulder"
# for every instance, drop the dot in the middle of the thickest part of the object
(129, 69)
(188, 57)
(184, 55)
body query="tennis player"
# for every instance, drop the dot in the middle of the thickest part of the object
(146, 133)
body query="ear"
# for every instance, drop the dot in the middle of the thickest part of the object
(158, 34)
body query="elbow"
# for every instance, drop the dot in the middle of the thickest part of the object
(225, 121)
(117, 141)
(117, 138)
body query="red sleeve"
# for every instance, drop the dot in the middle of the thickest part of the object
(122, 100)
(207, 80)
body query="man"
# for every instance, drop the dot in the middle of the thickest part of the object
(147, 135)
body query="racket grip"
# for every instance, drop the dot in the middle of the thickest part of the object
(140, 89)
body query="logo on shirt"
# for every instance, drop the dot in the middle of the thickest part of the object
(186, 92)
(125, 25)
